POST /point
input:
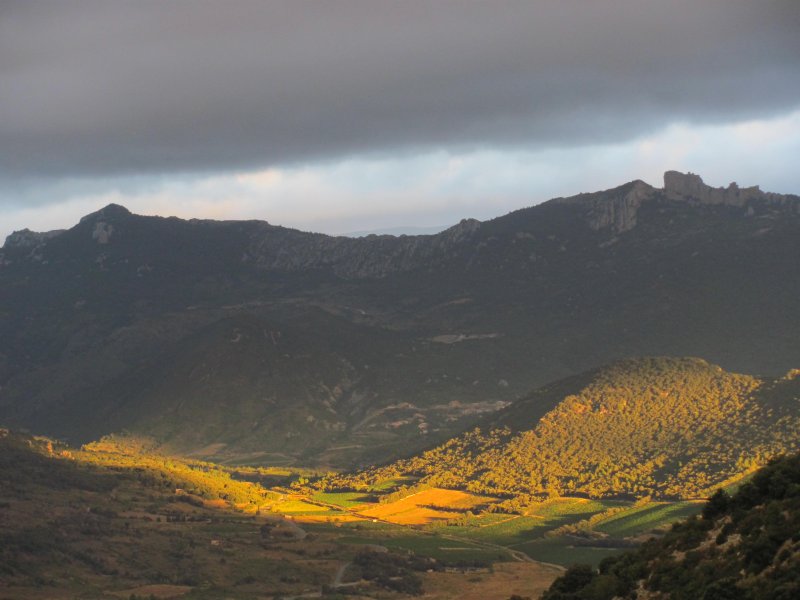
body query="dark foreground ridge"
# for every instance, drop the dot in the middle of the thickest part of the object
(745, 547)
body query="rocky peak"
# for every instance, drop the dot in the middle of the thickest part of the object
(617, 209)
(679, 185)
(111, 212)
(103, 221)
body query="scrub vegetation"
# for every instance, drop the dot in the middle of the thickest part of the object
(663, 428)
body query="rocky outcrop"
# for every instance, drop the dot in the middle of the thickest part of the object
(619, 213)
(617, 209)
(26, 238)
(102, 232)
(614, 209)
(690, 186)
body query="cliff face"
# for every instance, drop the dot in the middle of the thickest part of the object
(615, 211)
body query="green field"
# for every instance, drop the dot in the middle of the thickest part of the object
(510, 530)
(343, 499)
(561, 551)
(506, 530)
(357, 527)
(300, 507)
(641, 519)
(469, 540)
(566, 510)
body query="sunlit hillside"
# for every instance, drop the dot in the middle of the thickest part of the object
(660, 427)
(118, 520)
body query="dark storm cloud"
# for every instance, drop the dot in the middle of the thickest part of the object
(106, 88)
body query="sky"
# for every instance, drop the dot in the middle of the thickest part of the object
(343, 115)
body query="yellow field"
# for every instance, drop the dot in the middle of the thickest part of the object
(416, 509)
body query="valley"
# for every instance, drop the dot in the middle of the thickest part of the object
(549, 361)
(125, 518)
(239, 410)
(122, 521)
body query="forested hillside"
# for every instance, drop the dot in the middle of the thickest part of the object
(660, 427)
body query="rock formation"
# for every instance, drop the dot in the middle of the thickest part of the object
(688, 185)
(619, 212)
(25, 238)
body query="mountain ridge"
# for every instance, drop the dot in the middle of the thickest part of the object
(611, 211)
(422, 334)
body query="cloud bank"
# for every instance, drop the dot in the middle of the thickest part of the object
(359, 114)
(434, 188)
(102, 88)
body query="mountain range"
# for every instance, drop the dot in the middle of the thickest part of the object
(244, 341)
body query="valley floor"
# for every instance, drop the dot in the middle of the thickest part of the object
(115, 521)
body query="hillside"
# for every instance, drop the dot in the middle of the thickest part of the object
(245, 341)
(118, 519)
(744, 547)
(80, 526)
(661, 427)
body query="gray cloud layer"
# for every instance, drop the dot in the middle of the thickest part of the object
(104, 88)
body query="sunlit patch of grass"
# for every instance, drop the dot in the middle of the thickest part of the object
(297, 506)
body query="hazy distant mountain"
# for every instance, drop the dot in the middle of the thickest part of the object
(397, 231)
(251, 340)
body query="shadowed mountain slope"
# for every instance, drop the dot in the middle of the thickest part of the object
(233, 338)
